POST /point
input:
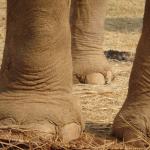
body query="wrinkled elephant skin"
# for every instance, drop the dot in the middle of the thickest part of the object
(36, 73)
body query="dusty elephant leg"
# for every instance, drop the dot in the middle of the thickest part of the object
(36, 74)
(87, 24)
(133, 120)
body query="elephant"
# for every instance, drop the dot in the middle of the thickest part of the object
(46, 43)
(89, 64)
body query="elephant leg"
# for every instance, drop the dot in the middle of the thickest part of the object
(87, 26)
(36, 75)
(133, 120)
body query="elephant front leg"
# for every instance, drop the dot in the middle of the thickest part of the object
(87, 25)
(132, 123)
(36, 76)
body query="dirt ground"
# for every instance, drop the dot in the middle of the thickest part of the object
(122, 31)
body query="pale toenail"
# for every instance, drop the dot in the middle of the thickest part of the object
(70, 132)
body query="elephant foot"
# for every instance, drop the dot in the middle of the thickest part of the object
(96, 78)
(31, 117)
(132, 124)
(93, 71)
(39, 132)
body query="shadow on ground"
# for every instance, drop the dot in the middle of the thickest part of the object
(99, 129)
(123, 24)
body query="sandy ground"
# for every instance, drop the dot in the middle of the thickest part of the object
(122, 31)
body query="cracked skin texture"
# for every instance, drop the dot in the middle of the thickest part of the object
(36, 73)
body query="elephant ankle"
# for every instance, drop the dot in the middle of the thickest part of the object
(92, 71)
(90, 64)
(44, 115)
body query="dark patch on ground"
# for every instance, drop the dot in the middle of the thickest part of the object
(123, 25)
(120, 56)
(99, 129)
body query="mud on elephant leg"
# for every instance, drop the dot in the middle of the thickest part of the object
(133, 121)
(36, 75)
(87, 25)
